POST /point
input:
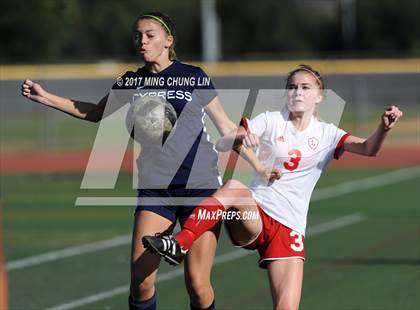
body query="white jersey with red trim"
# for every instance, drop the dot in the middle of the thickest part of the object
(300, 155)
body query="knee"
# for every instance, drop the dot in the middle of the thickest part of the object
(232, 193)
(231, 189)
(142, 288)
(199, 289)
(234, 184)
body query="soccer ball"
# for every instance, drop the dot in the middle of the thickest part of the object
(150, 120)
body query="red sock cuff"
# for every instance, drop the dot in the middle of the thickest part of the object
(185, 238)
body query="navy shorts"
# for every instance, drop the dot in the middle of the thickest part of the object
(173, 204)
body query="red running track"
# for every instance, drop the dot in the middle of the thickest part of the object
(76, 161)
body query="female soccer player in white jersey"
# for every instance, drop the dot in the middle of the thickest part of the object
(299, 145)
(154, 40)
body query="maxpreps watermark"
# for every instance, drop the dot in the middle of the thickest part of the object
(227, 215)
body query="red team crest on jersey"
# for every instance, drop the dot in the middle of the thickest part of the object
(313, 143)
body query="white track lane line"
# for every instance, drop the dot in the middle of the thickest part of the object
(320, 194)
(220, 259)
(69, 252)
(388, 178)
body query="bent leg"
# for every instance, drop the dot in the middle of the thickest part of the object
(237, 198)
(286, 277)
(232, 196)
(144, 265)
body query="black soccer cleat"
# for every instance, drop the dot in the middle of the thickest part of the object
(166, 246)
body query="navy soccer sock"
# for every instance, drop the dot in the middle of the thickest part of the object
(149, 304)
(211, 307)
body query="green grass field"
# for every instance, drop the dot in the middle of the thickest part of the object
(371, 263)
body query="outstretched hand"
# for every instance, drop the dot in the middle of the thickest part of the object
(390, 117)
(33, 91)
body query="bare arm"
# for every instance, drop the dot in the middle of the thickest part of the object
(239, 139)
(372, 145)
(83, 110)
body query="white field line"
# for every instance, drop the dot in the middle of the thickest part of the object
(388, 178)
(320, 194)
(335, 224)
(220, 259)
(68, 252)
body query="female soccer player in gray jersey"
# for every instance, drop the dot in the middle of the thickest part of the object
(298, 147)
(179, 84)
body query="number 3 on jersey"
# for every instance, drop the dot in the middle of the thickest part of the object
(293, 163)
(298, 245)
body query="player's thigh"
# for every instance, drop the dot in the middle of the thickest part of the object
(200, 258)
(242, 221)
(146, 223)
(286, 277)
(245, 224)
